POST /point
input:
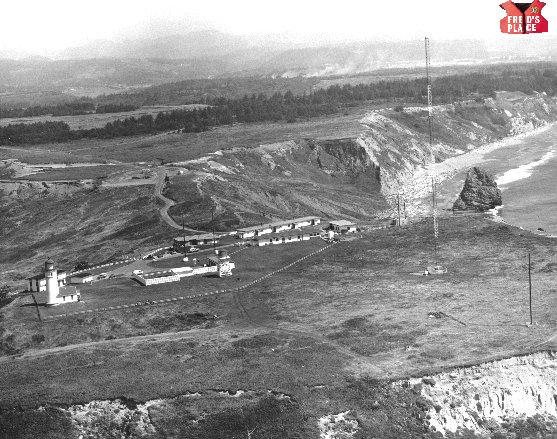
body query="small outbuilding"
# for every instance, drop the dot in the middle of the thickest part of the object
(287, 237)
(342, 226)
(82, 278)
(278, 226)
(182, 242)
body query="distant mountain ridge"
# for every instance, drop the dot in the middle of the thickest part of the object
(114, 66)
(198, 44)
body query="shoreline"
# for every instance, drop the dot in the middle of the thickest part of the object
(418, 186)
(447, 168)
(495, 217)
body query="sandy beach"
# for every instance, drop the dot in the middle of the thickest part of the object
(449, 175)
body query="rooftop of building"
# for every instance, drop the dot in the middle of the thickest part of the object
(157, 274)
(293, 232)
(279, 223)
(199, 237)
(342, 223)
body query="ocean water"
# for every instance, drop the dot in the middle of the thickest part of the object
(527, 176)
(526, 173)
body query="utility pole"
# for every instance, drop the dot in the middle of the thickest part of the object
(184, 236)
(530, 286)
(429, 96)
(398, 208)
(213, 224)
(430, 125)
(435, 225)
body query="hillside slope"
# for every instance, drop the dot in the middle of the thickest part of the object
(351, 174)
(351, 177)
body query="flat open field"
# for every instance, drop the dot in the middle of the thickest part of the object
(87, 121)
(75, 173)
(356, 310)
(175, 147)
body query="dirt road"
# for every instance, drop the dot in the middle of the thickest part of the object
(168, 203)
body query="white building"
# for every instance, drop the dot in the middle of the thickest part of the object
(287, 237)
(219, 264)
(155, 277)
(82, 278)
(54, 285)
(278, 226)
(342, 226)
(187, 241)
(38, 283)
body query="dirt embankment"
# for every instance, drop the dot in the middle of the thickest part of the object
(30, 189)
(330, 178)
(399, 141)
(514, 397)
(494, 398)
(347, 177)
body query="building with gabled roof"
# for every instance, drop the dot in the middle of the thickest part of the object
(342, 226)
(278, 226)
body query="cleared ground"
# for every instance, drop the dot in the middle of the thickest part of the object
(75, 173)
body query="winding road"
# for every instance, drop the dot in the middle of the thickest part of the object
(168, 203)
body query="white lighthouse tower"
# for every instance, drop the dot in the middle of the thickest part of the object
(52, 289)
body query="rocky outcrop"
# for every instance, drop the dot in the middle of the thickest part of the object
(480, 192)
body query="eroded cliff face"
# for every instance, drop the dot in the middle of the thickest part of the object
(33, 189)
(494, 397)
(335, 178)
(510, 398)
(347, 177)
(398, 142)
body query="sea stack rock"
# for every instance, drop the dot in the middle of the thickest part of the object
(480, 192)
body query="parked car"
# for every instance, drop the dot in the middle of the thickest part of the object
(193, 250)
(102, 276)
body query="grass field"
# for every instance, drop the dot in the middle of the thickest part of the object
(251, 264)
(329, 334)
(187, 146)
(87, 121)
(354, 310)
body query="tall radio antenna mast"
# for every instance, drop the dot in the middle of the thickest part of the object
(430, 125)
(429, 96)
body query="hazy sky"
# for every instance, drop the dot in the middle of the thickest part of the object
(43, 27)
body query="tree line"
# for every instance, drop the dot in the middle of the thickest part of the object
(289, 107)
(66, 109)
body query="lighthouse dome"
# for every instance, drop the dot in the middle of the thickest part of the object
(49, 264)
